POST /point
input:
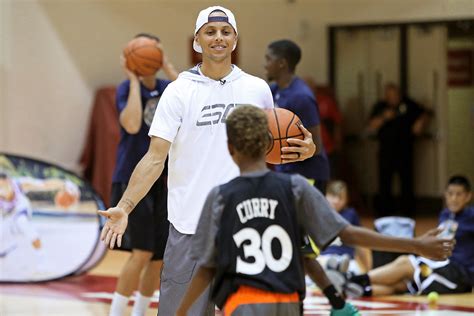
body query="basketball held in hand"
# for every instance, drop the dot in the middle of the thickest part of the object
(282, 124)
(143, 57)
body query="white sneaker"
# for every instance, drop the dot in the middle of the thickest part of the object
(339, 263)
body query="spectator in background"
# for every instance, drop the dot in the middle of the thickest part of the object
(331, 124)
(292, 93)
(147, 232)
(338, 255)
(396, 120)
(419, 275)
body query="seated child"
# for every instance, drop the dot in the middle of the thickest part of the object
(419, 275)
(338, 255)
(250, 231)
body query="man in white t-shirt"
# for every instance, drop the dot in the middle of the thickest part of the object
(189, 125)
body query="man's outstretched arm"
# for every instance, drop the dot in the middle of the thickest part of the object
(147, 171)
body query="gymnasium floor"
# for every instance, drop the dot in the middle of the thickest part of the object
(90, 295)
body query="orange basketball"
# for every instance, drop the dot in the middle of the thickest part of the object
(65, 199)
(282, 124)
(142, 56)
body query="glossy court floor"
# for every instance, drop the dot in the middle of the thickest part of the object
(90, 295)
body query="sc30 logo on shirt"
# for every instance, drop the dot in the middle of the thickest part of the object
(214, 114)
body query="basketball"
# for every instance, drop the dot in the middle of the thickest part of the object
(67, 196)
(282, 124)
(142, 56)
(65, 199)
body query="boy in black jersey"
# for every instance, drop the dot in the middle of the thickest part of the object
(250, 231)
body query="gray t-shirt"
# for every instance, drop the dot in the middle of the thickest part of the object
(320, 221)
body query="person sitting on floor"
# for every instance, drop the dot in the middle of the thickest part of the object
(419, 275)
(338, 255)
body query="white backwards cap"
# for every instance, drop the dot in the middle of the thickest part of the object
(203, 18)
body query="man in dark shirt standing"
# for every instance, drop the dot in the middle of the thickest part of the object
(396, 120)
(292, 93)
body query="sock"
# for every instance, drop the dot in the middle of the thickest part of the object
(364, 281)
(119, 303)
(335, 299)
(141, 304)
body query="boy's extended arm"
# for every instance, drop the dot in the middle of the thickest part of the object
(199, 283)
(428, 245)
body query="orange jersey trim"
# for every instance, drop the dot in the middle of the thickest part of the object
(250, 295)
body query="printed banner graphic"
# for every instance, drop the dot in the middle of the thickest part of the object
(49, 227)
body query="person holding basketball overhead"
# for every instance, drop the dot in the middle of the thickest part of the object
(146, 235)
(189, 124)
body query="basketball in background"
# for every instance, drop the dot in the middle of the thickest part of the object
(282, 124)
(142, 56)
(67, 196)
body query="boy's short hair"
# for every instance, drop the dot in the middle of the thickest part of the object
(460, 180)
(337, 187)
(247, 130)
(287, 50)
(148, 35)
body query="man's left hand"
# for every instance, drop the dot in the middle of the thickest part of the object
(300, 149)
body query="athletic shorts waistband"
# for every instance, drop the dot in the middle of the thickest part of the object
(250, 295)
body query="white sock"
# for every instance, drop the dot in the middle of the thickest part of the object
(119, 303)
(141, 304)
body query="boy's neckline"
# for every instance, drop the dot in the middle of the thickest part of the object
(254, 173)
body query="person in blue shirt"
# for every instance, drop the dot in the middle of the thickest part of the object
(419, 275)
(292, 93)
(147, 232)
(339, 255)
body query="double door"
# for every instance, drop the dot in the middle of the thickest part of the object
(366, 60)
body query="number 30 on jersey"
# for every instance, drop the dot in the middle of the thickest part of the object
(260, 248)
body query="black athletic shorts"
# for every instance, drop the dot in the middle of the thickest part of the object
(148, 224)
(444, 277)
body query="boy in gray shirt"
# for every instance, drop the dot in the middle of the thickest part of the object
(250, 231)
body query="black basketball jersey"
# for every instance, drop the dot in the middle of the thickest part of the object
(259, 237)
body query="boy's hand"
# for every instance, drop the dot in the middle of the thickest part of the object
(114, 227)
(435, 248)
